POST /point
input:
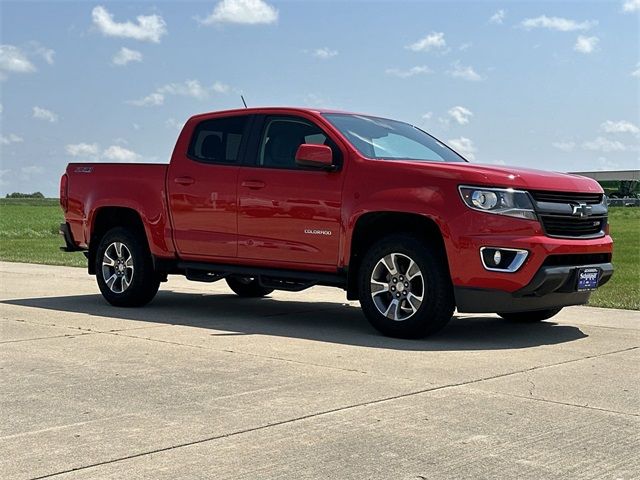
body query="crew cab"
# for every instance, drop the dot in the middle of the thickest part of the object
(288, 198)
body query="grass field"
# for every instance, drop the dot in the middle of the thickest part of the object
(29, 233)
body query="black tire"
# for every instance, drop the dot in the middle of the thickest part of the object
(143, 282)
(247, 287)
(437, 304)
(532, 316)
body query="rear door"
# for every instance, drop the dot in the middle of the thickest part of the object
(202, 186)
(288, 214)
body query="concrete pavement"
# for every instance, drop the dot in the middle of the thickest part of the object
(202, 384)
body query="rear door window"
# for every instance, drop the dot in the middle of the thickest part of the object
(218, 140)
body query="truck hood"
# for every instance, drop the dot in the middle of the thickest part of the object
(511, 177)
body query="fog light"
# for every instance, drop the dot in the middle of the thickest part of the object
(502, 259)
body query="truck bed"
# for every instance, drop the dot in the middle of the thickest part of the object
(137, 186)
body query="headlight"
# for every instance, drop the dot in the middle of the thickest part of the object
(502, 201)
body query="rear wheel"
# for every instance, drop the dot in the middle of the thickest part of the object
(124, 269)
(247, 287)
(404, 287)
(533, 316)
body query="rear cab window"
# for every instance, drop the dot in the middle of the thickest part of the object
(218, 140)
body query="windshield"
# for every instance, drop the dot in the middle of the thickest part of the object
(380, 138)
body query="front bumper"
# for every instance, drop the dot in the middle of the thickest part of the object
(550, 287)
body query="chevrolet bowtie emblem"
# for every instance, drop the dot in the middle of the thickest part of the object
(581, 210)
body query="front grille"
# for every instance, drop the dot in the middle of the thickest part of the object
(566, 197)
(577, 259)
(564, 214)
(561, 226)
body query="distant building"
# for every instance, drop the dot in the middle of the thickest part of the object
(611, 175)
(621, 186)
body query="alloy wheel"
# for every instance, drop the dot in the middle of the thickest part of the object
(117, 267)
(397, 286)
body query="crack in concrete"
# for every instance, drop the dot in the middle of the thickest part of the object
(66, 335)
(202, 347)
(558, 402)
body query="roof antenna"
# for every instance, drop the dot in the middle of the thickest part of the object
(245, 103)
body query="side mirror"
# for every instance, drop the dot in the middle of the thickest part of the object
(317, 156)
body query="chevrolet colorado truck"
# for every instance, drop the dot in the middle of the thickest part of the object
(287, 198)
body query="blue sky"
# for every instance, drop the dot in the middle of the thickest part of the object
(552, 85)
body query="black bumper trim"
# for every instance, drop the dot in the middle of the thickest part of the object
(551, 287)
(70, 245)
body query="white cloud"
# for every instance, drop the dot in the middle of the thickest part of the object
(149, 28)
(1, 108)
(557, 23)
(247, 12)
(636, 72)
(174, 124)
(621, 126)
(324, 53)
(46, 53)
(14, 60)
(602, 144)
(465, 73)
(219, 87)
(319, 100)
(586, 44)
(91, 152)
(82, 149)
(116, 153)
(418, 70)
(464, 147)
(44, 114)
(152, 100)
(498, 17)
(565, 146)
(433, 41)
(188, 88)
(631, 6)
(460, 114)
(126, 55)
(10, 138)
(427, 116)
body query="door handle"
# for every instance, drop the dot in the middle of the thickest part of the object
(184, 180)
(253, 184)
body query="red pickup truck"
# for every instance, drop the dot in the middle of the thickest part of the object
(287, 198)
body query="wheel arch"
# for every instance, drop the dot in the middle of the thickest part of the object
(106, 218)
(372, 226)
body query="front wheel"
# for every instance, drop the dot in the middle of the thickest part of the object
(533, 316)
(124, 269)
(404, 287)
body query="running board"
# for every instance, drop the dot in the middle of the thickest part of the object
(289, 284)
(277, 279)
(202, 276)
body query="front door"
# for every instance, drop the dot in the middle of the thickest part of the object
(287, 213)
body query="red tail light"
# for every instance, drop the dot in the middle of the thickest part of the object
(64, 192)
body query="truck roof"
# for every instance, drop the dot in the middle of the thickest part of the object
(256, 110)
